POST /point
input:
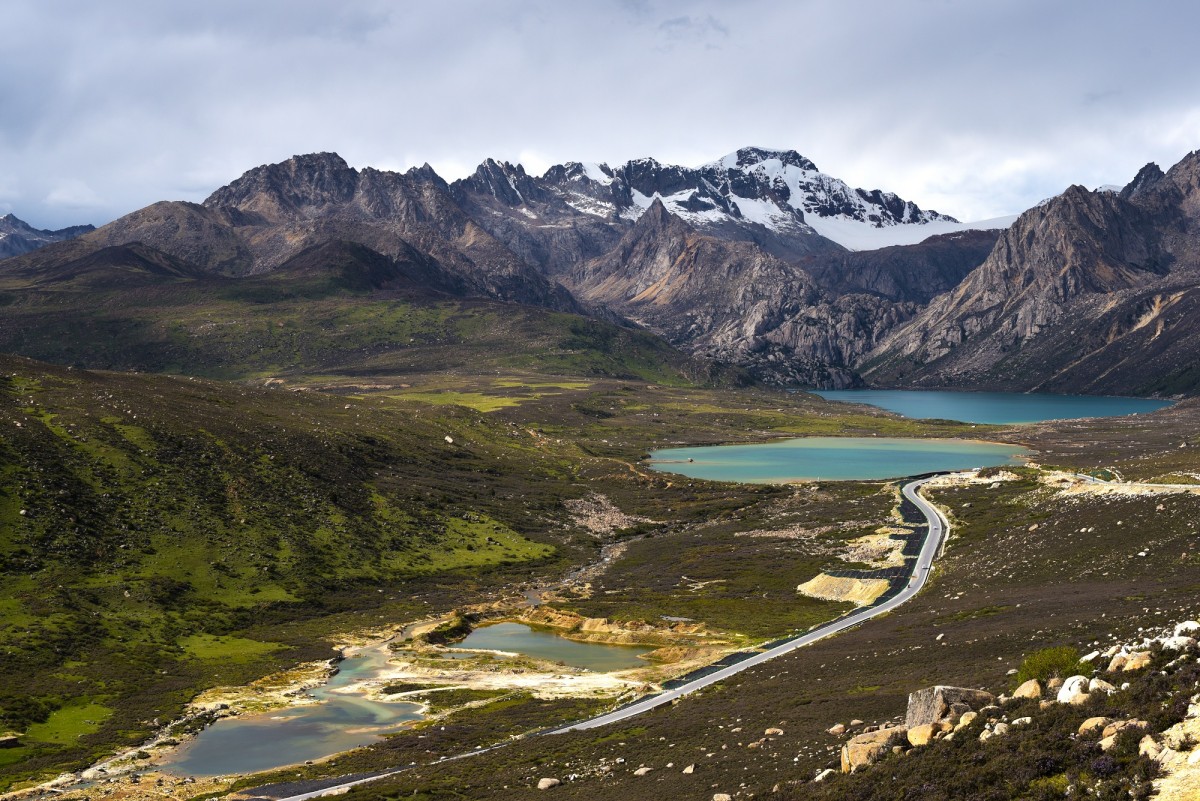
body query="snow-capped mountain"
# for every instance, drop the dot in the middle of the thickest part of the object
(777, 199)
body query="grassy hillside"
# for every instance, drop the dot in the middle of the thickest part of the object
(341, 320)
(161, 535)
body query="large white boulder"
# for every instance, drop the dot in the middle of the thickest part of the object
(1074, 690)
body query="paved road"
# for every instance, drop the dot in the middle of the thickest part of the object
(931, 548)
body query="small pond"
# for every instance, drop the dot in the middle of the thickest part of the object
(832, 458)
(1000, 408)
(521, 639)
(266, 740)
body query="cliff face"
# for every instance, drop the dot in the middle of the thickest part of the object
(733, 301)
(1091, 291)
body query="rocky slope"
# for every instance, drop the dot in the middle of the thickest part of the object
(18, 237)
(750, 259)
(1091, 291)
(912, 273)
(776, 199)
(733, 301)
(275, 212)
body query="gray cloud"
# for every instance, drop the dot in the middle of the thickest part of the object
(975, 109)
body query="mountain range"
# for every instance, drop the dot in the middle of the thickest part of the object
(758, 259)
(18, 237)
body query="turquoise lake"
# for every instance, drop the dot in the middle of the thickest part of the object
(258, 742)
(1000, 408)
(519, 638)
(832, 458)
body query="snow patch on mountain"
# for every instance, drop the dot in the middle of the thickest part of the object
(854, 235)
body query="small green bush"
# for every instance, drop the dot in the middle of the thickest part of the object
(1047, 663)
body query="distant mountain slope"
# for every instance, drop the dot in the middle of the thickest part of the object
(274, 212)
(914, 273)
(1090, 291)
(733, 301)
(776, 199)
(18, 237)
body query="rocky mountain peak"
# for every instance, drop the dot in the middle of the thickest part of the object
(751, 156)
(18, 237)
(507, 183)
(1146, 178)
(304, 185)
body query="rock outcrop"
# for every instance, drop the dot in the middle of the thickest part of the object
(734, 302)
(865, 748)
(1094, 291)
(942, 702)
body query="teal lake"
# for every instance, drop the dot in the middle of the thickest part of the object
(1000, 408)
(521, 639)
(832, 458)
(266, 740)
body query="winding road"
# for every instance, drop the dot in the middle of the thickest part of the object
(930, 549)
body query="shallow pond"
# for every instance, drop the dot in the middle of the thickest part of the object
(266, 740)
(832, 458)
(521, 639)
(999, 408)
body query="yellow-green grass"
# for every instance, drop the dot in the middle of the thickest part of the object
(208, 646)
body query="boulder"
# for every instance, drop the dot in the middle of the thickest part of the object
(1129, 661)
(1149, 747)
(642, 771)
(1178, 643)
(1118, 726)
(774, 732)
(921, 735)
(966, 720)
(1188, 628)
(722, 797)
(1030, 689)
(546, 784)
(1054, 684)
(863, 749)
(1101, 686)
(1094, 724)
(1074, 690)
(825, 774)
(934, 703)
(1025, 721)
(837, 729)
(957, 710)
(690, 769)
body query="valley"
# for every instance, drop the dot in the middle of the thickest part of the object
(334, 411)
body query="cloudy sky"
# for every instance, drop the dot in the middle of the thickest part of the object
(972, 107)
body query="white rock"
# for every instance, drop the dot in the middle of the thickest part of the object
(825, 774)
(1025, 721)
(1074, 690)
(642, 771)
(1101, 686)
(1089, 657)
(546, 784)
(1188, 628)
(1178, 643)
